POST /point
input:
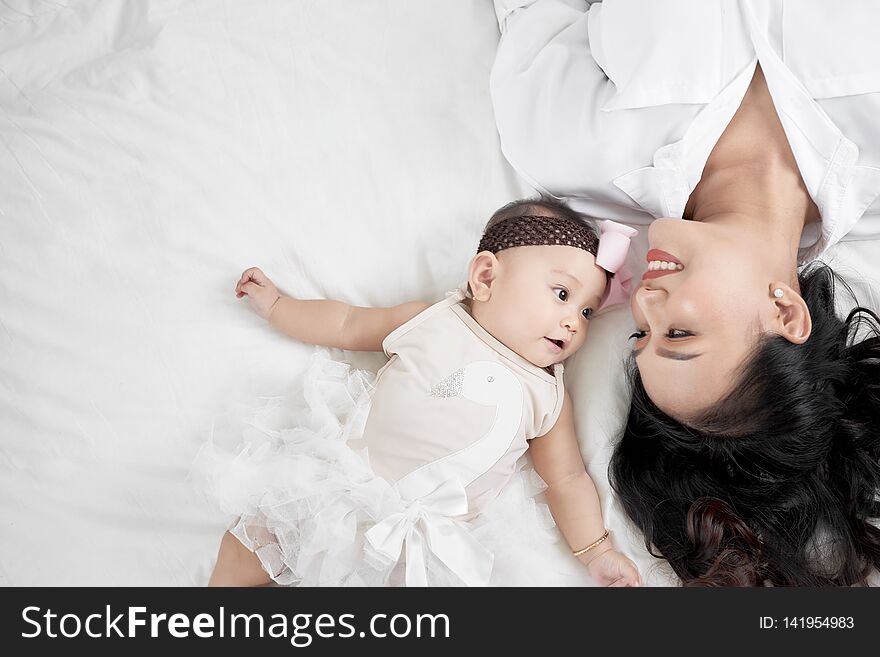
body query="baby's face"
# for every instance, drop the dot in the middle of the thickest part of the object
(539, 300)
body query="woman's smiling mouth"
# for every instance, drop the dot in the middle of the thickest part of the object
(661, 263)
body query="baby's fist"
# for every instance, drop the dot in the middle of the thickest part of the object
(611, 568)
(259, 289)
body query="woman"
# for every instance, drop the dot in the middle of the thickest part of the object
(751, 449)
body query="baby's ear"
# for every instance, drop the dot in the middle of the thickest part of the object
(481, 275)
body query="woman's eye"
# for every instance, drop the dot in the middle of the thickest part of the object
(561, 292)
(672, 334)
(587, 313)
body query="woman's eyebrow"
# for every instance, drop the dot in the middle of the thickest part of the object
(667, 353)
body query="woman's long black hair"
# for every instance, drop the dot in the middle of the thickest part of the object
(780, 482)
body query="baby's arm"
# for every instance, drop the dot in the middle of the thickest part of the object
(323, 321)
(574, 502)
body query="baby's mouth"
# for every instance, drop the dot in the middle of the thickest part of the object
(559, 345)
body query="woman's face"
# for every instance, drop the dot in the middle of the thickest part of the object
(697, 324)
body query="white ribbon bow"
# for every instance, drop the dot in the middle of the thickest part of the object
(427, 522)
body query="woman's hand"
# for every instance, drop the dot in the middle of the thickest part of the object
(611, 568)
(260, 291)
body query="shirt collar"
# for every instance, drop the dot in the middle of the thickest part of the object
(842, 189)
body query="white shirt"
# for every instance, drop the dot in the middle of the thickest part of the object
(615, 106)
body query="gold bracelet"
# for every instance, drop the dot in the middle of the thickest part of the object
(591, 545)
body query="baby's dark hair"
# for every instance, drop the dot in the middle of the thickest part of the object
(527, 206)
(777, 483)
(545, 221)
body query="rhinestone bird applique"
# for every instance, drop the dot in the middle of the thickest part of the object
(450, 386)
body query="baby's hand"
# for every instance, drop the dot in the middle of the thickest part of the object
(260, 291)
(611, 568)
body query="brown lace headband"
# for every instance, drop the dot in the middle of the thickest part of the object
(539, 230)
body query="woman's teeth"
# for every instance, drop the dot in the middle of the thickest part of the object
(655, 265)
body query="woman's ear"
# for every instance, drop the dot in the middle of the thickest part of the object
(481, 275)
(792, 316)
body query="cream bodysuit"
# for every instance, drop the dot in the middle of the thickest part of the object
(387, 480)
(455, 402)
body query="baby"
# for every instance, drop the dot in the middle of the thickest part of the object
(472, 382)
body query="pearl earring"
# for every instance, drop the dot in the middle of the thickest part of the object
(778, 293)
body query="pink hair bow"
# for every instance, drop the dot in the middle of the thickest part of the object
(614, 241)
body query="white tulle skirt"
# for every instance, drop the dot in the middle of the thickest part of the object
(303, 498)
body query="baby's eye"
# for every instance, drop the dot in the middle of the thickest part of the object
(561, 292)
(587, 313)
(638, 335)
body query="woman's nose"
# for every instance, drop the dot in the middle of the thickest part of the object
(648, 297)
(647, 301)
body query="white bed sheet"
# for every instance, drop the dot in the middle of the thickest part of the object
(152, 150)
